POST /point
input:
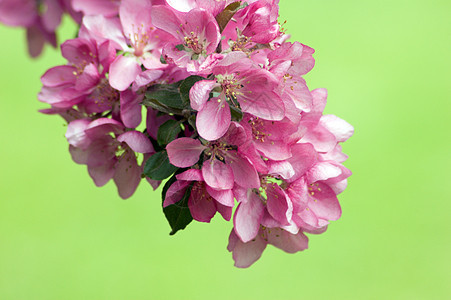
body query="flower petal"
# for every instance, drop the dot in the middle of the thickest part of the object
(123, 72)
(213, 121)
(245, 254)
(248, 217)
(200, 92)
(137, 141)
(217, 175)
(184, 152)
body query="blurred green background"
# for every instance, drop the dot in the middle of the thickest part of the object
(386, 65)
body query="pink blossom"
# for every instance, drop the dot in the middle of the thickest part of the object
(204, 201)
(242, 84)
(82, 81)
(223, 166)
(134, 34)
(109, 152)
(195, 35)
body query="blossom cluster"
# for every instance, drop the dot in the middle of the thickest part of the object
(230, 125)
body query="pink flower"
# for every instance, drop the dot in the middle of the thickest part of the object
(241, 84)
(223, 166)
(273, 139)
(314, 196)
(195, 35)
(82, 81)
(109, 152)
(134, 34)
(204, 201)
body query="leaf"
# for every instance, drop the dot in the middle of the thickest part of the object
(178, 214)
(186, 86)
(226, 15)
(166, 94)
(158, 166)
(152, 103)
(168, 131)
(237, 114)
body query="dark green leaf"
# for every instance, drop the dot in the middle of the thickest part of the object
(158, 166)
(192, 122)
(152, 103)
(237, 114)
(168, 132)
(166, 94)
(185, 87)
(178, 214)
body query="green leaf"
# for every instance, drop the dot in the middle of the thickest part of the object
(166, 94)
(158, 166)
(168, 131)
(178, 214)
(186, 86)
(226, 15)
(237, 114)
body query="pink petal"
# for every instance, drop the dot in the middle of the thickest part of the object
(321, 138)
(103, 126)
(75, 133)
(147, 77)
(290, 243)
(183, 6)
(326, 205)
(127, 175)
(213, 121)
(99, 7)
(137, 141)
(245, 254)
(135, 18)
(304, 157)
(225, 211)
(323, 171)
(36, 41)
(244, 172)
(184, 152)
(282, 168)
(88, 79)
(165, 19)
(266, 105)
(224, 197)
(175, 192)
(200, 92)
(102, 174)
(123, 71)
(59, 76)
(217, 175)
(248, 217)
(201, 206)
(341, 129)
(51, 17)
(102, 29)
(190, 175)
(78, 155)
(131, 108)
(279, 205)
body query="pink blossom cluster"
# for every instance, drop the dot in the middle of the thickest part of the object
(229, 118)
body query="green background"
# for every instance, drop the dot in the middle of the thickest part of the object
(386, 65)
